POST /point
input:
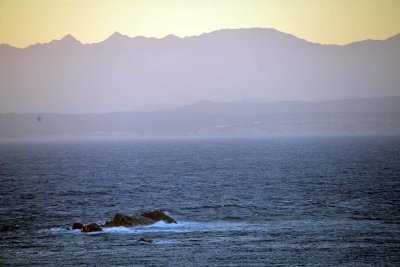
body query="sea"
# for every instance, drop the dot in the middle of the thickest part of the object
(276, 201)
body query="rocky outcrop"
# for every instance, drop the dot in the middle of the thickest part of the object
(120, 219)
(157, 216)
(93, 227)
(77, 225)
(145, 218)
(125, 220)
(144, 240)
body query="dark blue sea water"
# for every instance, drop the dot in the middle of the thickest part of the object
(259, 202)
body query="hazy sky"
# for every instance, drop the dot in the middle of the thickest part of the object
(24, 22)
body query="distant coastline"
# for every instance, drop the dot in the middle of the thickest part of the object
(207, 119)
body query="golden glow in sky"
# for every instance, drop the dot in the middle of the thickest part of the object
(25, 22)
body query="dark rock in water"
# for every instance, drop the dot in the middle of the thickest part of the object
(142, 239)
(158, 215)
(141, 219)
(127, 221)
(93, 227)
(120, 220)
(77, 225)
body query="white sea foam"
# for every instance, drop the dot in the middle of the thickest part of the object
(162, 227)
(57, 231)
(119, 230)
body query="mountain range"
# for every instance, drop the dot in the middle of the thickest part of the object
(123, 73)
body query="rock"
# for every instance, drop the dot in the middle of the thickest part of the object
(158, 215)
(76, 225)
(146, 218)
(142, 220)
(120, 219)
(93, 227)
(142, 239)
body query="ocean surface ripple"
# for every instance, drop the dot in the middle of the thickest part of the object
(324, 201)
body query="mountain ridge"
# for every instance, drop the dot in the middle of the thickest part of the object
(122, 73)
(117, 34)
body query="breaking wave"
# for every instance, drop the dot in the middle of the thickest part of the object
(162, 227)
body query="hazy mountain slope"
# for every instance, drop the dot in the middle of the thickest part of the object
(121, 73)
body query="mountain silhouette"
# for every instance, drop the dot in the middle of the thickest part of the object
(122, 73)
